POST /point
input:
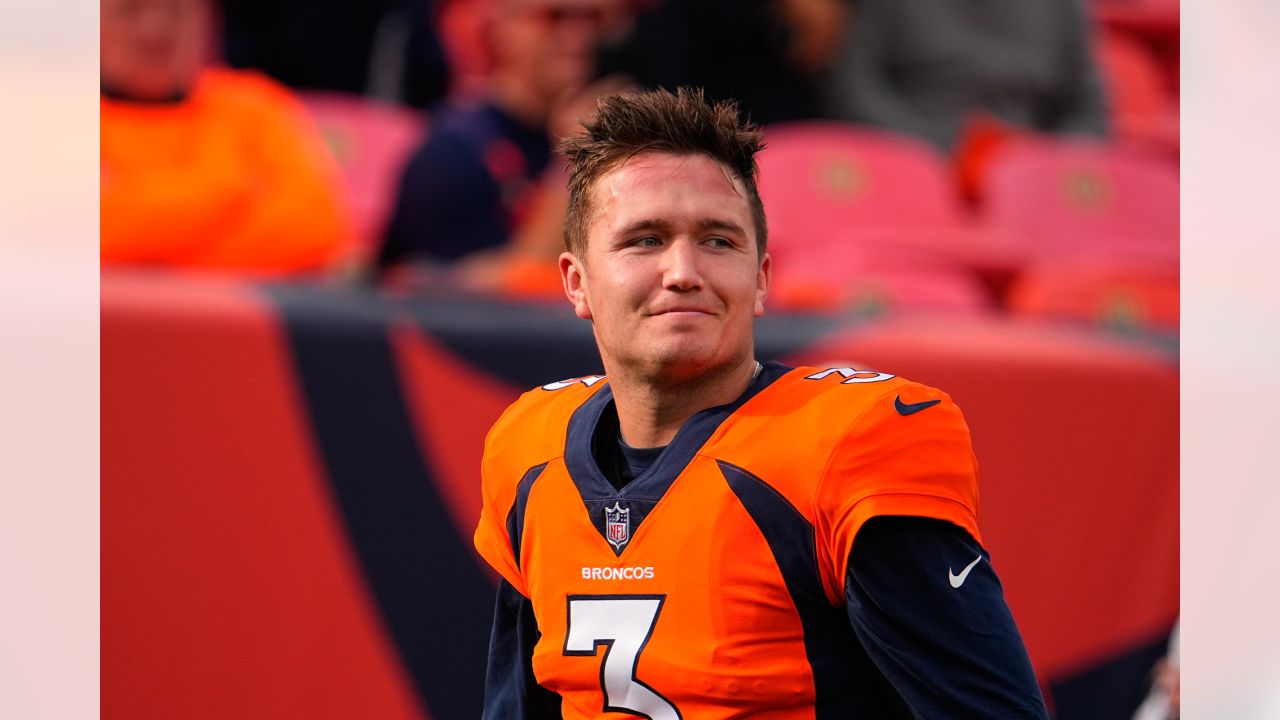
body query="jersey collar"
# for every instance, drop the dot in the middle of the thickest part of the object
(643, 493)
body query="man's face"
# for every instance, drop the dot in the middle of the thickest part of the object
(550, 44)
(671, 279)
(152, 49)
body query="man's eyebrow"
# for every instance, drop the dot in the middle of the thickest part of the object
(661, 225)
(645, 224)
(720, 224)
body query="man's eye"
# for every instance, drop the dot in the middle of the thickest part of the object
(720, 242)
(647, 241)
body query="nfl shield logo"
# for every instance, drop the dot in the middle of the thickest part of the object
(617, 525)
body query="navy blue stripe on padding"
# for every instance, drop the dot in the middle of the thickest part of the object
(846, 683)
(419, 568)
(527, 343)
(515, 518)
(1112, 688)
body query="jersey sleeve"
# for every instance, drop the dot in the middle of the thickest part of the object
(498, 490)
(511, 692)
(926, 604)
(909, 454)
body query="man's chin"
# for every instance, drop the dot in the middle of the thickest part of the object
(685, 367)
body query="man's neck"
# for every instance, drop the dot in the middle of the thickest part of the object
(119, 94)
(651, 412)
(517, 99)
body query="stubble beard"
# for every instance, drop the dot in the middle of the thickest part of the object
(673, 368)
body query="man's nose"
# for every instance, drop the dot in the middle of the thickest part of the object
(681, 268)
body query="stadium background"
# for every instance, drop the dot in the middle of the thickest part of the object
(287, 467)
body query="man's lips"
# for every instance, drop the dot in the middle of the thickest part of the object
(682, 311)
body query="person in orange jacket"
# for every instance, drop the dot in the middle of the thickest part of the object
(207, 167)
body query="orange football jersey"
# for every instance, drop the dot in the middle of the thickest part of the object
(712, 585)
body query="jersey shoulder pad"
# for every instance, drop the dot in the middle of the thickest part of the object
(869, 406)
(904, 451)
(811, 419)
(532, 430)
(882, 445)
(851, 390)
(819, 406)
(786, 433)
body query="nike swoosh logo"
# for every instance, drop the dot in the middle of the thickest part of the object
(958, 580)
(911, 408)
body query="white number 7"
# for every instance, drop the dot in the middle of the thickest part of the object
(622, 624)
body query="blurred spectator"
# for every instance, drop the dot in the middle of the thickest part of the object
(927, 67)
(473, 184)
(205, 167)
(766, 54)
(386, 48)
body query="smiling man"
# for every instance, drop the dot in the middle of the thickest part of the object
(702, 535)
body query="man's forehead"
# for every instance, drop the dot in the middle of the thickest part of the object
(663, 170)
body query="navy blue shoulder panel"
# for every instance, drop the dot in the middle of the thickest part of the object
(638, 497)
(515, 517)
(846, 682)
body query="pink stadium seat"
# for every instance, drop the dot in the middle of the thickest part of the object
(845, 203)
(825, 182)
(875, 278)
(1125, 297)
(1143, 111)
(1131, 75)
(1147, 16)
(371, 141)
(1076, 199)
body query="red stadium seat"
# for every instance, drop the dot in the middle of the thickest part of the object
(1124, 297)
(1131, 74)
(860, 213)
(826, 182)
(1056, 199)
(1143, 112)
(874, 278)
(1150, 17)
(371, 141)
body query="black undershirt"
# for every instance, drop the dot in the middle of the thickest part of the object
(619, 462)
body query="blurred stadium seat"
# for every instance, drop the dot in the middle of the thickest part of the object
(874, 279)
(1132, 75)
(1143, 111)
(1147, 16)
(826, 182)
(371, 140)
(1058, 200)
(1123, 297)
(861, 217)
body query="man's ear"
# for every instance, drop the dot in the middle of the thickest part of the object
(574, 278)
(763, 277)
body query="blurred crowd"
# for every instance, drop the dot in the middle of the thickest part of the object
(411, 142)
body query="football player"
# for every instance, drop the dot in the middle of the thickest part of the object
(700, 535)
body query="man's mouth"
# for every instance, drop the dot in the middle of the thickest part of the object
(683, 311)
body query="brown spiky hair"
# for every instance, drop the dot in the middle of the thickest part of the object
(682, 123)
